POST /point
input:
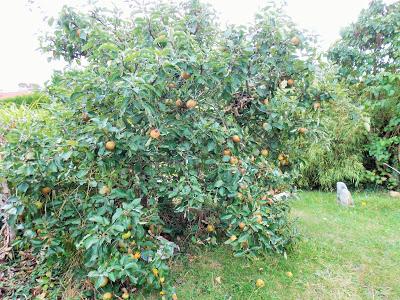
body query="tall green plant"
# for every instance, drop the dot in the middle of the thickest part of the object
(338, 153)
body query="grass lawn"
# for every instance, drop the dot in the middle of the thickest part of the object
(351, 253)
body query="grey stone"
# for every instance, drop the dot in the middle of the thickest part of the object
(394, 194)
(282, 196)
(343, 195)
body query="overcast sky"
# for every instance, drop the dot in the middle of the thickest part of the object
(21, 62)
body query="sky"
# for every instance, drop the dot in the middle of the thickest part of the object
(21, 22)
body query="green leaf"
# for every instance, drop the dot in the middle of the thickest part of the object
(100, 220)
(23, 187)
(90, 241)
(218, 183)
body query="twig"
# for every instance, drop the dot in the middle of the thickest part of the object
(385, 164)
(149, 27)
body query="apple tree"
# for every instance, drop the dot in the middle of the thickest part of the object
(163, 129)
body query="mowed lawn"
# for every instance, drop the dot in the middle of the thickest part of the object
(344, 253)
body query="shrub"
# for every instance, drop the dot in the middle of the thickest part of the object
(337, 155)
(171, 120)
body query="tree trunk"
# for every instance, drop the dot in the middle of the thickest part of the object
(7, 233)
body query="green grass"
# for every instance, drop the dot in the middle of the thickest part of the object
(344, 253)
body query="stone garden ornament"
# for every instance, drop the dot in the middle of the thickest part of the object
(343, 195)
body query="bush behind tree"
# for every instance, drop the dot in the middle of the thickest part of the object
(338, 153)
(33, 99)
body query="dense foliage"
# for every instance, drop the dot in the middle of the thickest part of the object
(336, 155)
(172, 130)
(368, 58)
